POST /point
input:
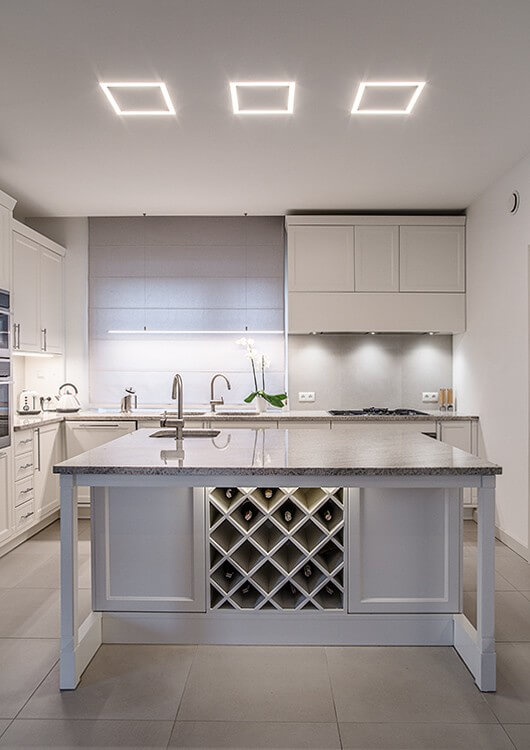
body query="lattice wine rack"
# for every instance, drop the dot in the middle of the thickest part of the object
(276, 549)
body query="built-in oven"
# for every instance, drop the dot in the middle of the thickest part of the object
(5, 326)
(5, 402)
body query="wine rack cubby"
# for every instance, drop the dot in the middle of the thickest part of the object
(279, 550)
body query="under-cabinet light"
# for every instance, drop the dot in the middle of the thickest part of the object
(234, 85)
(157, 333)
(31, 354)
(419, 85)
(106, 87)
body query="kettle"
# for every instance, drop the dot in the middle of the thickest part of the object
(67, 398)
(29, 402)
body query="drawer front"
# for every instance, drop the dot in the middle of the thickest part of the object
(23, 442)
(24, 515)
(23, 466)
(24, 491)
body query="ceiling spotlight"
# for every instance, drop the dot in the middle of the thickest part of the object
(253, 110)
(416, 85)
(166, 99)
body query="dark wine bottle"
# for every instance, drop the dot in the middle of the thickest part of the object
(268, 493)
(245, 588)
(287, 515)
(248, 513)
(230, 492)
(308, 570)
(229, 572)
(293, 589)
(329, 589)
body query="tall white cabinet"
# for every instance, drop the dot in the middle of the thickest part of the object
(7, 205)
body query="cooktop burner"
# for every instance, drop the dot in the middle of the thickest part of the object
(377, 411)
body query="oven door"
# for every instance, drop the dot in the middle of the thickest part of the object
(5, 403)
(4, 333)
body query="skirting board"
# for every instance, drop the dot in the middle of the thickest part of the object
(277, 629)
(23, 536)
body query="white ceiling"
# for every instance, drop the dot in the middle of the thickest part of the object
(63, 151)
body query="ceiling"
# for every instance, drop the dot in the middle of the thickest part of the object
(64, 152)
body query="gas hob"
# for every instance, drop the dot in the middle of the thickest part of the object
(377, 411)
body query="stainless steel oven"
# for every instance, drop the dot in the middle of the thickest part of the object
(5, 402)
(5, 327)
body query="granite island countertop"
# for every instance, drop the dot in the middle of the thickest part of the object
(381, 451)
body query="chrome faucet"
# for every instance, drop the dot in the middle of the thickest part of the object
(177, 392)
(213, 401)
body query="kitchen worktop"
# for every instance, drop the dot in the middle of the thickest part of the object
(237, 414)
(291, 451)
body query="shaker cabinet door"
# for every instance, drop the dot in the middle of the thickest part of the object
(51, 296)
(377, 259)
(321, 259)
(431, 259)
(26, 293)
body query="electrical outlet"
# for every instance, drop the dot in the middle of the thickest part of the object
(306, 395)
(429, 397)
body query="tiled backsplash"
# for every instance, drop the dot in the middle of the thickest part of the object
(185, 274)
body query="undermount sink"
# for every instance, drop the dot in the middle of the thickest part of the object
(235, 412)
(171, 433)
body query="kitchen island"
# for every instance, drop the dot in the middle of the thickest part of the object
(286, 536)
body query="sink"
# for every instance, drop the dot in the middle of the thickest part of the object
(167, 433)
(235, 412)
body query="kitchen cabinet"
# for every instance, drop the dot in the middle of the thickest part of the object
(6, 250)
(321, 259)
(157, 560)
(48, 447)
(6, 521)
(84, 436)
(38, 299)
(377, 258)
(461, 434)
(431, 259)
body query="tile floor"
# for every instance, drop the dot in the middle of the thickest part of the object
(253, 697)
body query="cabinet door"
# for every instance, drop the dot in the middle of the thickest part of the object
(431, 259)
(26, 292)
(51, 302)
(457, 434)
(377, 259)
(5, 248)
(48, 450)
(150, 549)
(321, 259)
(5, 495)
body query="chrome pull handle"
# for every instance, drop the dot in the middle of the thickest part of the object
(28, 515)
(25, 492)
(26, 466)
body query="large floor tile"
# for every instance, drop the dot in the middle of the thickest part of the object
(258, 683)
(515, 570)
(56, 733)
(511, 701)
(23, 665)
(512, 615)
(407, 684)
(35, 613)
(4, 723)
(47, 575)
(424, 737)
(20, 564)
(519, 735)
(229, 735)
(121, 682)
(470, 576)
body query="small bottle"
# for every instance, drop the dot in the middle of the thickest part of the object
(308, 570)
(287, 515)
(327, 514)
(268, 493)
(230, 492)
(248, 513)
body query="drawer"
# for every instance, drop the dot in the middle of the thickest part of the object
(24, 515)
(23, 442)
(23, 466)
(24, 491)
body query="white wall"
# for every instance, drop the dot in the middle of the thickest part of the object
(491, 358)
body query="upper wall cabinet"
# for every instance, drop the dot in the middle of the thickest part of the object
(376, 273)
(321, 259)
(377, 258)
(6, 216)
(38, 315)
(432, 259)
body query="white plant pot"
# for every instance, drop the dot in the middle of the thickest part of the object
(261, 404)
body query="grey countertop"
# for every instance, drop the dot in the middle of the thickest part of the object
(237, 414)
(381, 450)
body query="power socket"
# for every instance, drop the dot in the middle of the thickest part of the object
(306, 395)
(429, 397)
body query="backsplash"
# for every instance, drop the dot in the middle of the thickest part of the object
(196, 274)
(349, 371)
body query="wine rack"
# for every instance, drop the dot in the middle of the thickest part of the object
(278, 550)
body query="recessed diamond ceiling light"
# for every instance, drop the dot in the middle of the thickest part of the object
(169, 110)
(417, 87)
(249, 85)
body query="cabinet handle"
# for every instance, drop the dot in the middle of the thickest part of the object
(25, 492)
(25, 466)
(26, 440)
(28, 515)
(16, 336)
(38, 448)
(44, 346)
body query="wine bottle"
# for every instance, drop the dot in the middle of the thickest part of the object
(327, 514)
(245, 588)
(248, 513)
(329, 589)
(229, 572)
(308, 570)
(268, 493)
(230, 492)
(287, 515)
(293, 589)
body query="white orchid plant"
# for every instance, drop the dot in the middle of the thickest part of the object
(259, 363)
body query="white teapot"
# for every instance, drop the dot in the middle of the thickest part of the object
(67, 398)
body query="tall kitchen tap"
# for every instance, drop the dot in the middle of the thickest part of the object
(177, 392)
(213, 401)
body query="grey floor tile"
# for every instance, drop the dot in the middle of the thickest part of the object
(406, 684)
(470, 576)
(511, 701)
(47, 575)
(515, 570)
(519, 735)
(424, 737)
(35, 613)
(23, 665)
(512, 615)
(57, 733)
(20, 564)
(4, 723)
(258, 683)
(231, 735)
(121, 682)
